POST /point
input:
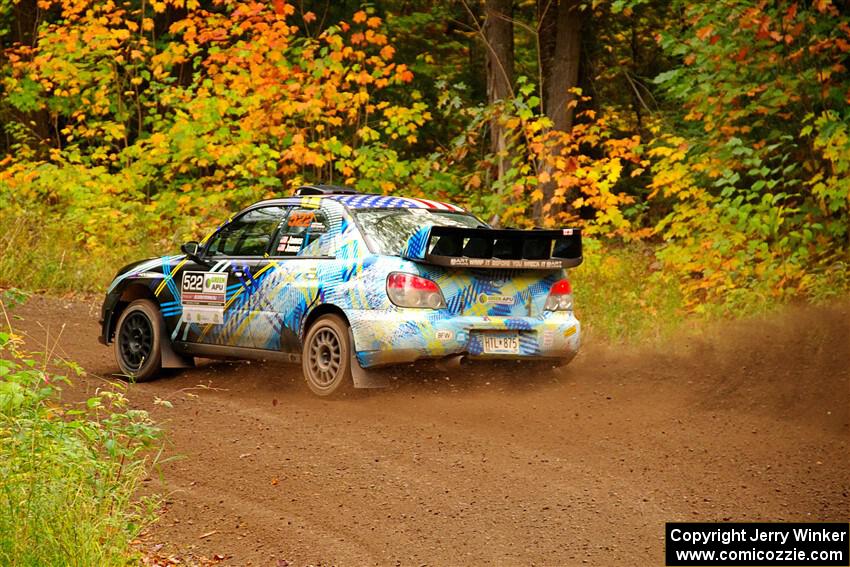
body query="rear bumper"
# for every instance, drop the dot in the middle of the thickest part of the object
(408, 335)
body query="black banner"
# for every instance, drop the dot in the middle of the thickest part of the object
(757, 543)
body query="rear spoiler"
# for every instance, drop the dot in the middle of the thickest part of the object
(495, 248)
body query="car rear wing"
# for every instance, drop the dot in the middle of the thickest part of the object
(495, 248)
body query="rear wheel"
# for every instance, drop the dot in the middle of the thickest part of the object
(326, 360)
(137, 341)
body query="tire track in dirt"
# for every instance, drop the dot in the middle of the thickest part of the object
(746, 421)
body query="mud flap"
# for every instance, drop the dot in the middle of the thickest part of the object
(171, 359)
(362, 377)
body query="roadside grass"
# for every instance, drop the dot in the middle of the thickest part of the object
(44, 253)
(620, 297)
(68, 472)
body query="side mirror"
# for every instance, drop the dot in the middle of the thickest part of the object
(191, 249)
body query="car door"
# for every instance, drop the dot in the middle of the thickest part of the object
(300, 252)
(219, 298)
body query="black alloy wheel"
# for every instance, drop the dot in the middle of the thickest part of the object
(136, 340)
(137, 343)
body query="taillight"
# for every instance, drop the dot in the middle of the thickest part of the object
(560, 296)
(407, 290)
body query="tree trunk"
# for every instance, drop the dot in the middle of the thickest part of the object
(561, 74)
(547, 31)
(565, 65)
(499, 36)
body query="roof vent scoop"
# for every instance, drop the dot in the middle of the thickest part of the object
(308, 190)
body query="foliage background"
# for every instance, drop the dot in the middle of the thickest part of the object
(707, 162)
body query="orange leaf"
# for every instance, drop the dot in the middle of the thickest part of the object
(703, 33)
(279, 7)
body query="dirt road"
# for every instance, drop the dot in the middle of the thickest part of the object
(496, 466)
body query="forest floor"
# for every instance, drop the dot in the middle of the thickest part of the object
(745, 421)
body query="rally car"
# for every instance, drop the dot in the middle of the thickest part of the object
(344, 282)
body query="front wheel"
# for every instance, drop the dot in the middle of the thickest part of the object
(137, 341)
(326, 360)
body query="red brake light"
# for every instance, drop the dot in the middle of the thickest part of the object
(396, 280)
(560, 296)
(561, 287)
(408, 290)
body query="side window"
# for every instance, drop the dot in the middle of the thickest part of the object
(305, 233)
(248, 235)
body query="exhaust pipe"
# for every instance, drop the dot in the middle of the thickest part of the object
(451, 362)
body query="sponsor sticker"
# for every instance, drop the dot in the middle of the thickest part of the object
(548, 337)
(570, 332)
(284, 240)
(496, 299)
(204, 288)
(499, 263)
(445, 335)
(203, 297)
(204, 315)
(568, 232)
(294, 245)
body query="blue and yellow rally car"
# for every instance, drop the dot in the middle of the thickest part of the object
(344, 282)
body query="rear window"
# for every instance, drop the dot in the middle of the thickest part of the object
(387, 230)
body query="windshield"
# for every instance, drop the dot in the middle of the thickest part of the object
(387, 230)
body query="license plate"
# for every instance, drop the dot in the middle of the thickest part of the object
(502, 343)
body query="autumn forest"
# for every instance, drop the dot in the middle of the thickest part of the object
(703, 147)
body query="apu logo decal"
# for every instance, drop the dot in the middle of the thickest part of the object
(497, 299)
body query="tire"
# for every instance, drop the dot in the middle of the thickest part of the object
(137, 343)
(326, 358)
